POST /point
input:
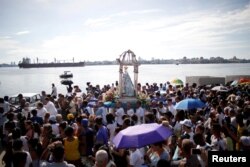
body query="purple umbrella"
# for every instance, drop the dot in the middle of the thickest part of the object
(141, 135)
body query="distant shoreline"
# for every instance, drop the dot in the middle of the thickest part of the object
(153, 63)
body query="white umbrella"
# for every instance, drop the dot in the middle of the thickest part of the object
(220, 89)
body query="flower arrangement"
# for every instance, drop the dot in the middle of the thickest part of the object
(109, 96)
(143, 97)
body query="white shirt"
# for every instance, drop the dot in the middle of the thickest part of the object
(41, 112)
(25, 143)
(54, 164)
(140, 114)
(119, 113)
(51, 108)
(162, 110)
(111, 128)
(172, 110)
(54, 91)
(221, 117)
(55, 129)
(218, 144)
(130, 112)
(136, 158)
(25, 112)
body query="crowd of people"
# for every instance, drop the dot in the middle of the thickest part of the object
(77, 129)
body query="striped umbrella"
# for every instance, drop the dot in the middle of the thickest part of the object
(177, 82)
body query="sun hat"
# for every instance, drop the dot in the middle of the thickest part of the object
(70, 116)
(186, 122)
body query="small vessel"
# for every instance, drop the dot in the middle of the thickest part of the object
(66, 82)
(66, 74)
(26, 63)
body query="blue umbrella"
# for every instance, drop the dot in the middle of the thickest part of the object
(141, 135)
(188, 104)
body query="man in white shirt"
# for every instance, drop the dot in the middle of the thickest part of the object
(135, 158)
(161, 108)
(130, 111)
(50, 107)
(41, 110)
(140, 113)
(119, 113)
(54, 91)
(54, 125)
(26, 110)
(171, 107)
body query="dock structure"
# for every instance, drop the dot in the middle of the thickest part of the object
(213, 80)
(204, 80)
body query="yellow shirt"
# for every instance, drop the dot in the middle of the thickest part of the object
(239, 134)
(71, 149)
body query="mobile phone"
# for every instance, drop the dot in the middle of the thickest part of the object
(196, 151)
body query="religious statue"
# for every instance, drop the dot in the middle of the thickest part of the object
(128, 86)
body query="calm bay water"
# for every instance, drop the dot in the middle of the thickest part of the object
(15, 80)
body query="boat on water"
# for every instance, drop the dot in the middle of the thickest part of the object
(66, 74)
(26, 63)
(66, 82)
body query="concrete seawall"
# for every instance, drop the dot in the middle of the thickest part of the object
(208, 80)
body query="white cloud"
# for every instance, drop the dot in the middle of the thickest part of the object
(118, 19)
(137, 12)
(93, 23)
(22, 32)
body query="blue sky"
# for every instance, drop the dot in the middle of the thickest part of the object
(103, 29)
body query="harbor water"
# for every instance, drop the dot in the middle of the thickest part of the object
(14, 80)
